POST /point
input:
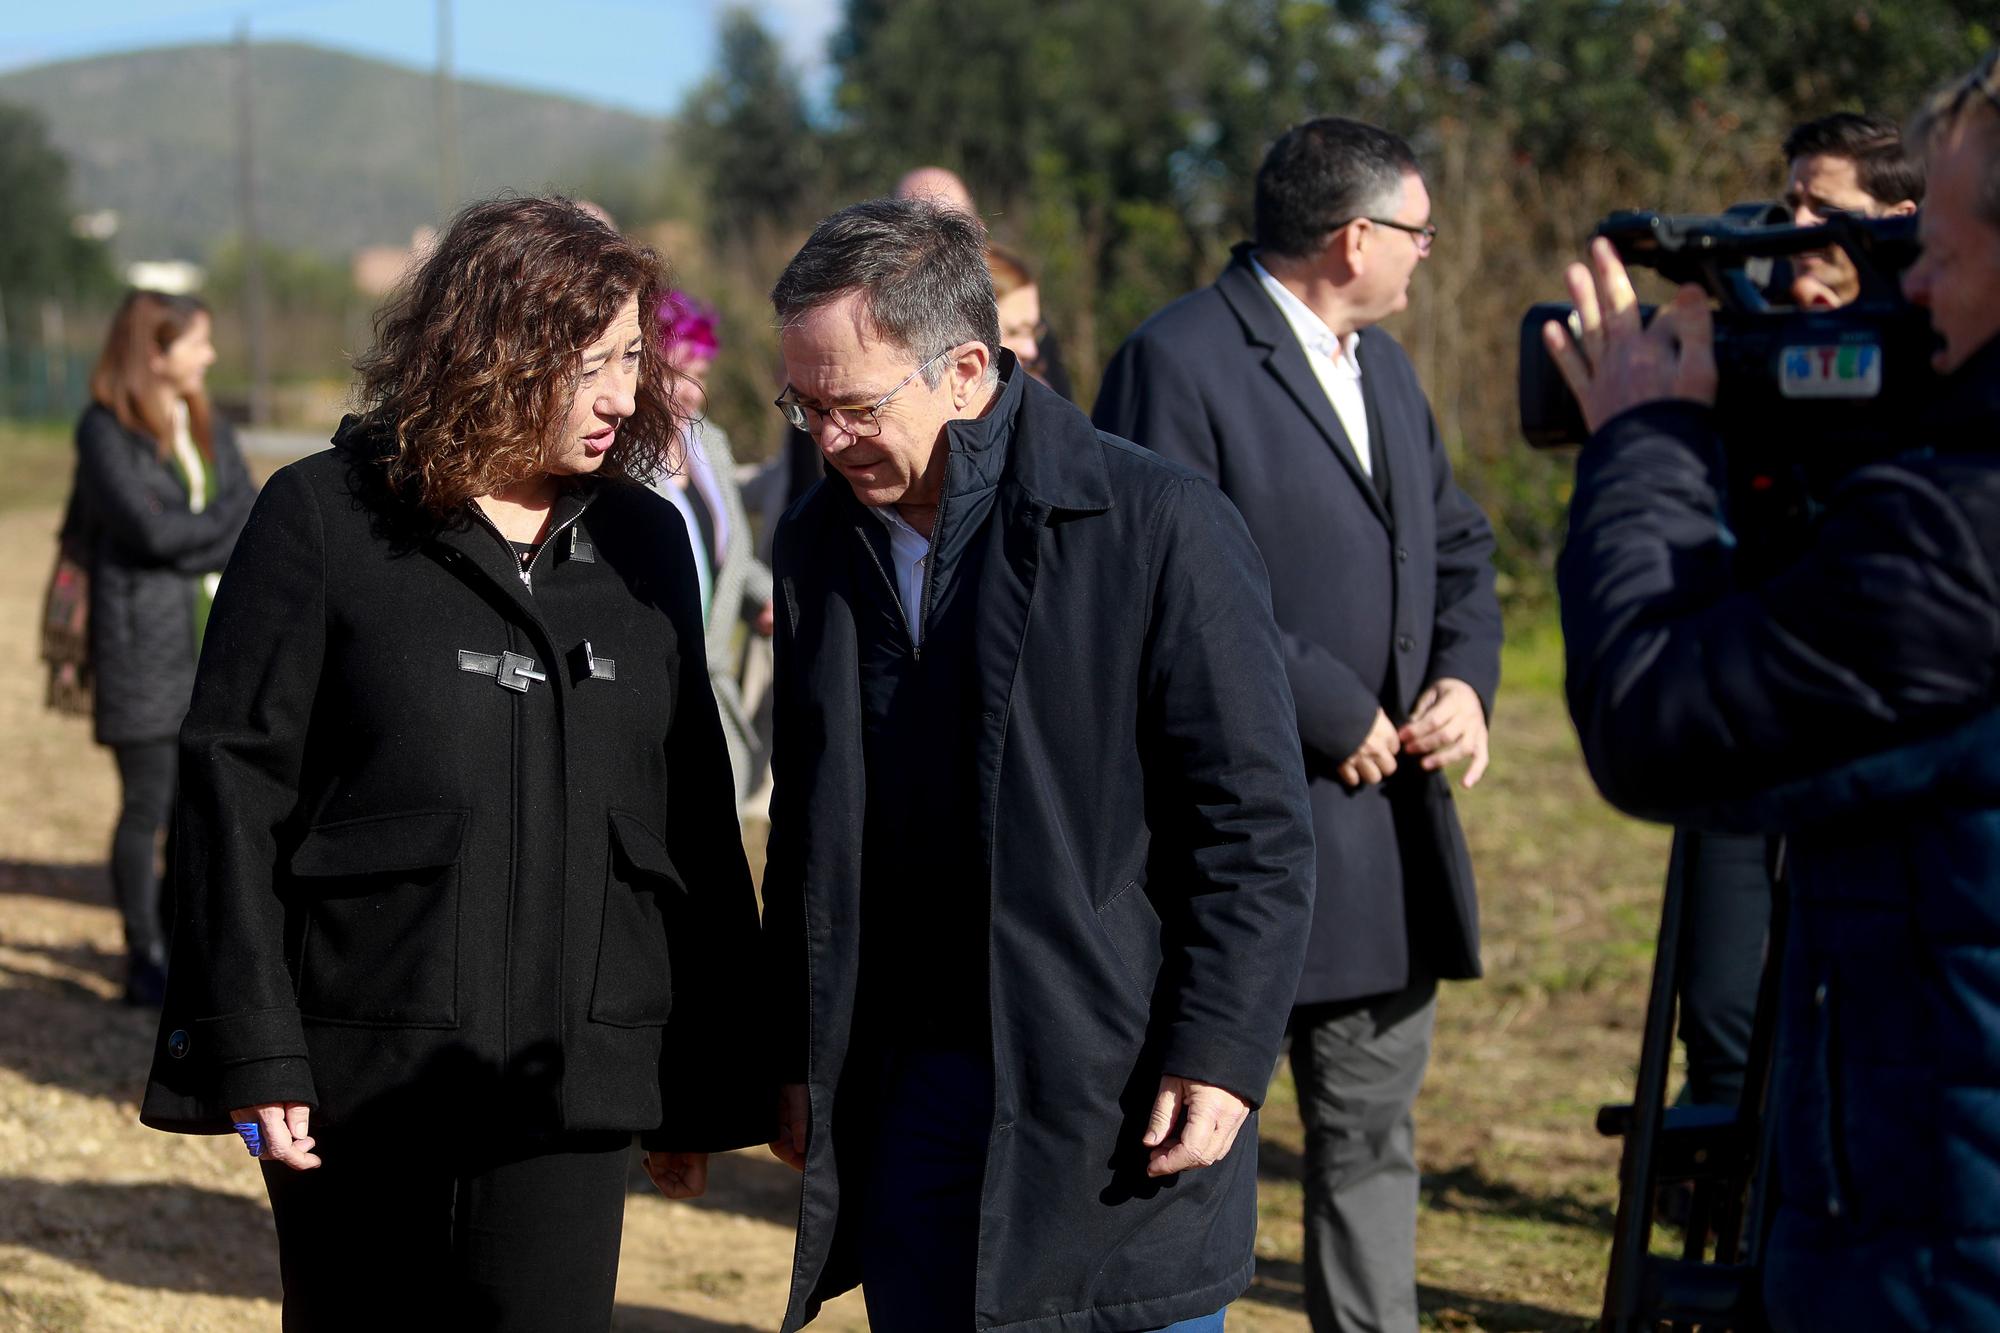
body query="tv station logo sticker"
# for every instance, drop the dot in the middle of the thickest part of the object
(1831, 370)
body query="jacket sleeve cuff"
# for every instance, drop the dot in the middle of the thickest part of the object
(233, 1039)
(1224, 1062)
(1681, 420)
(746, 1120)
(262, 1082)
(205, 1068)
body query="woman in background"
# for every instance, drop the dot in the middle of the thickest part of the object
(161, 492)
(735, 585)
(1022, 329)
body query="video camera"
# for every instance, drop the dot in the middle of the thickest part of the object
(1809, 383)
(1804, 396)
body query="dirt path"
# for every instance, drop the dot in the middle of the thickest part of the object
(105, 1225)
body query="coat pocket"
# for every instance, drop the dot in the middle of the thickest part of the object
(635, 985)
(381, 901)
(1133, 927)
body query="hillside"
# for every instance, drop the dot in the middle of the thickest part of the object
(346, 147)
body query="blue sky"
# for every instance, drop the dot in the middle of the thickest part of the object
(642, 55)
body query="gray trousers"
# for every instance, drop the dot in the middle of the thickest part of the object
(1358, 1065)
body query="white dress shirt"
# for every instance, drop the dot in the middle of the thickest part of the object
(909, 550)
(1331, 355)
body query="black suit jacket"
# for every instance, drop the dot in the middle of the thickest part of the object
(1375, 599)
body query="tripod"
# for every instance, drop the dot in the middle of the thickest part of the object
(1719, 1151)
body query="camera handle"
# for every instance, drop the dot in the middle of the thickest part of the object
(1721, 1152)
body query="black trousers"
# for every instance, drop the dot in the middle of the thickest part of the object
(146, 772)
(382, 1238)
(1725, 919)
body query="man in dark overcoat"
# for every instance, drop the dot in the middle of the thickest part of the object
(1275, 383)
(1041, 863)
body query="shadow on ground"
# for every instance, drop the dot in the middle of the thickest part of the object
(1279, 1161)
(60, 1033)
(169, 1236)
(1467, 1189)
(86, 883)
(1464, 1189)
(1280, 1283)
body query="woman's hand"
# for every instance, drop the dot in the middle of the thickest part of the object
(285, 1127)
(679, 1175)
(794, 1119)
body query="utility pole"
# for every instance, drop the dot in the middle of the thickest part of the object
(447, 119)
(253, 266)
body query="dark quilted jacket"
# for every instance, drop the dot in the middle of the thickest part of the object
(1849, 703)
(147, 551)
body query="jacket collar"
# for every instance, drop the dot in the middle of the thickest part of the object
(976, 448)
(1968, 403)
(1264, 326)
(1263, 323)
(1053, 452)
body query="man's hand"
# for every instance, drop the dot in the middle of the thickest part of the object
(794, 1118)
(766, 623)
(679, 1175)
(1617, 363)
(1193, 1125)
(1449, 724)
(286, 1132)
(1376, 759)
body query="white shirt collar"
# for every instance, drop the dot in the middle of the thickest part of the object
(1311, 331)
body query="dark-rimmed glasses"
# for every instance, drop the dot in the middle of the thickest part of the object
(858, 420)
(1421, 235)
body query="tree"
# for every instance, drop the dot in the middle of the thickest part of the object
(41, 255)
(748, 135)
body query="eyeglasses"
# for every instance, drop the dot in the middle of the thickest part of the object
(1420, 236)
(858, 420)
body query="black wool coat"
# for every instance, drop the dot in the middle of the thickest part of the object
(1147, 856)
(1374, 601)
(130, 510)
(452, 844)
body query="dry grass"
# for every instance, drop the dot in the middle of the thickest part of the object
(105, 1225)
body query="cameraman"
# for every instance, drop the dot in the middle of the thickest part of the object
(1852, 702)
(1847, 164)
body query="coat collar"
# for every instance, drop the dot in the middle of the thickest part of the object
(1968, 402)
(467, 542)
(1264, 326)
(1054, 455)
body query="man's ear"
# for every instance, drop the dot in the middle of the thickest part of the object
(1903, 209)
(968, 372)
(1349, 248)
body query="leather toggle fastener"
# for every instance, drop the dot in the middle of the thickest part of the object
(589, 666)
(510, 671)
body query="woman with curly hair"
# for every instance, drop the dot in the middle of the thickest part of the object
(465, 908)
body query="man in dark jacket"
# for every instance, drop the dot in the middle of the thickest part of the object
(1275, 384)
(1041, 863)
(1848, 702)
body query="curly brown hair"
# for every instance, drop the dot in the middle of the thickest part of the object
(476, 356)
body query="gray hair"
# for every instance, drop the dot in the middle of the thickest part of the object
(1967, 107)
(920, 269)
